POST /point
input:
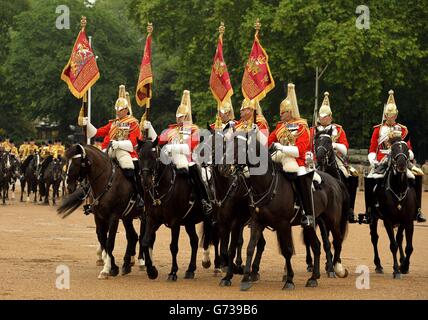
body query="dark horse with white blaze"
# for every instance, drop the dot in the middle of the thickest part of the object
(110, 193)
(231, 202)
(169, 200)
(273, 197)
(326, 162)
(397, 207)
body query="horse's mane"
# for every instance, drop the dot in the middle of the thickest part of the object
(73, 150)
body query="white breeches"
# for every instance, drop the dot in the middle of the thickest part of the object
(123, 157)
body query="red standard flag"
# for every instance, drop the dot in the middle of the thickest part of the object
(145, 79)
(220, 81)
(257, 80)
(81, 71)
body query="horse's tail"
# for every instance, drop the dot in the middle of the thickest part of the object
(209, 233)
(71, 202)
(346, 206)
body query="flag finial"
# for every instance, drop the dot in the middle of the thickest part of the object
(149, 27)
(257, 25)
(83, 22)
(221, 29)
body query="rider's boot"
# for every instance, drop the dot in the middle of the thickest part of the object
(304, 192)
(202, 193)
(420, 217)
(130, 175)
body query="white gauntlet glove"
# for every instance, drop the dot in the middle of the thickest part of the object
(372, 159)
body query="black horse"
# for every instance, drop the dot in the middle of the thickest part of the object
(271, 210)
(231, 200)
(29, 169)
(397, 206)
(110, 193)
(5, 174)
(52, 177)
(169, 200)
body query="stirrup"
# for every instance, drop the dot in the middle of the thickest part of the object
(87, 209)
(139, 201)
(307, 221)
(420, 217)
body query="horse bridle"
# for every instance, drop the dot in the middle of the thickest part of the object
(399, 154)
(84, 165)
(328, 153)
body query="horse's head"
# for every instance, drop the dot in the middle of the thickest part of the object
(323, 145)
(399, 155)
(78, 166)
(148, 157)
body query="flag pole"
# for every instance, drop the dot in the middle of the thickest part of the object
(88, 140)
(257, 26)
(85, 97)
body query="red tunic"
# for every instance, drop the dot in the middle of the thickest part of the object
(293, 133)
(380, 147)
(121, 129)
(175, 132)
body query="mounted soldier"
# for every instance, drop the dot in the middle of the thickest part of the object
(22, 148)
(120, 138)
(340, 145)
(380, 147)
(179, 141)
(291, 140)
(225, 116)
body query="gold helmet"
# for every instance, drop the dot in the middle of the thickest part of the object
(121, 102)
(227, 107)
(253, 105)
(391, 107)
(325, 107)
(290, 103)
(185, 107)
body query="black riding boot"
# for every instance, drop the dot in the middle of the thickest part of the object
(130, 175)
(202, 192)
(304, 191)
(366, 217)
(418, 189)
(352, 189)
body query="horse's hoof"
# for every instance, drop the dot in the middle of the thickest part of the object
(126, 270)
(172, 277)
(312, 283)
(239, 269)
(225, 283)
(331, 274)
(103, 276)
(379, 270)
(310, 268)
(217, 272)
(100, 263)
(246, 285)
(404, 270)
(189, 275)
(288, 286)
(114, 272)
(396, 275)
(254, 277)
(152, 273)
(206, 264)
